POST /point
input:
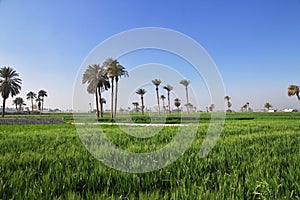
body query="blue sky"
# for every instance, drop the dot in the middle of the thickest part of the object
(254, 43)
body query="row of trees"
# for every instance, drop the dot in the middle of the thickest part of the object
(10, 85)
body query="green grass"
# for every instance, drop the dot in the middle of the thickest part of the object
(256, 157)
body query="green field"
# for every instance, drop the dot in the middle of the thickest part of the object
(256, 157)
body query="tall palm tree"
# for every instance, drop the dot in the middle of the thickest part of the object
(31, 96)
(114, 71)
(157, 82)
(41, 95)
(267, 105)
(91, 77)
(177, 103)
(294, 90)
(10, 84)
(142, 92)
(103, 84)
(185, 83)
(168, 88)
(162, 97)
(136, 105)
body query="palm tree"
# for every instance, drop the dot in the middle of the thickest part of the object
(103, 84)
(91, 76)
(227, 98)
(18, 102)
(114, 71)
(294, 90)
(142, 92)
(162, 97)
(247, 106)
(157, 82)
(41, 95)
(135, 104)
(185, 83)
(168, 88)
(39, 100)
(177, 103)
(211, 107)
(31, 96)
(10, 84)
(268, 105)
(102, 101)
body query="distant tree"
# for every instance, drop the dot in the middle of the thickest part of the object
(227, 99)
(211, 107)
(10, 84)
(157, 82)
(41, 95)
(267, 105)
(19, 102)
(168, 88)
(189, 106)
(142, 92)
(177, 103)
(162, 97)
(185, 83)
(136, 106)
(39, 100)
(294, 90)
(31, 96)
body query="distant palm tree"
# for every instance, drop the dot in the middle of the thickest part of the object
(227, 98)
(31, 96)
(185, 83)
(114, 71)
(10, 84)
(19, 102)
(136, 105)
(168, 88)
(294, 90)
(247, 106)
(39, 100)
(162, 97)
(211, 107)
(177, 103)
(102, 101)
(91, 76)
(268, 105)
(41, 95)
(141, 92)
(157, 82)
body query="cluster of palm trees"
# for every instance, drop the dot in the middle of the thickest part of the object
(10, 85)
(168, 88)
(97, 77)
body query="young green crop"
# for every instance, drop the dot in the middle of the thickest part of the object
(256, 157)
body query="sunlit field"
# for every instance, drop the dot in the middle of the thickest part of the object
(256, 157)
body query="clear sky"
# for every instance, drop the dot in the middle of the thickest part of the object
(254, 43)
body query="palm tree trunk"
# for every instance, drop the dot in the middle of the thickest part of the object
(3, 109)
(157, 96)
(97, 103)
(116, 97)
(169, 109)
(31, 104)
(142, 98)
(42, 104)
(101, 108)
(112, 98)
(163, 101)
(187, 99)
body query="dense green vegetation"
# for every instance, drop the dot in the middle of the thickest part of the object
(256, 157)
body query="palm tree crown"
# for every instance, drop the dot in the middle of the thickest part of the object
(10, 84)
(294, 90)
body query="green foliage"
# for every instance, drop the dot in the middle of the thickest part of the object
(255, 158)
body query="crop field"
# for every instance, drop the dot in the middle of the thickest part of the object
(256, 157)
